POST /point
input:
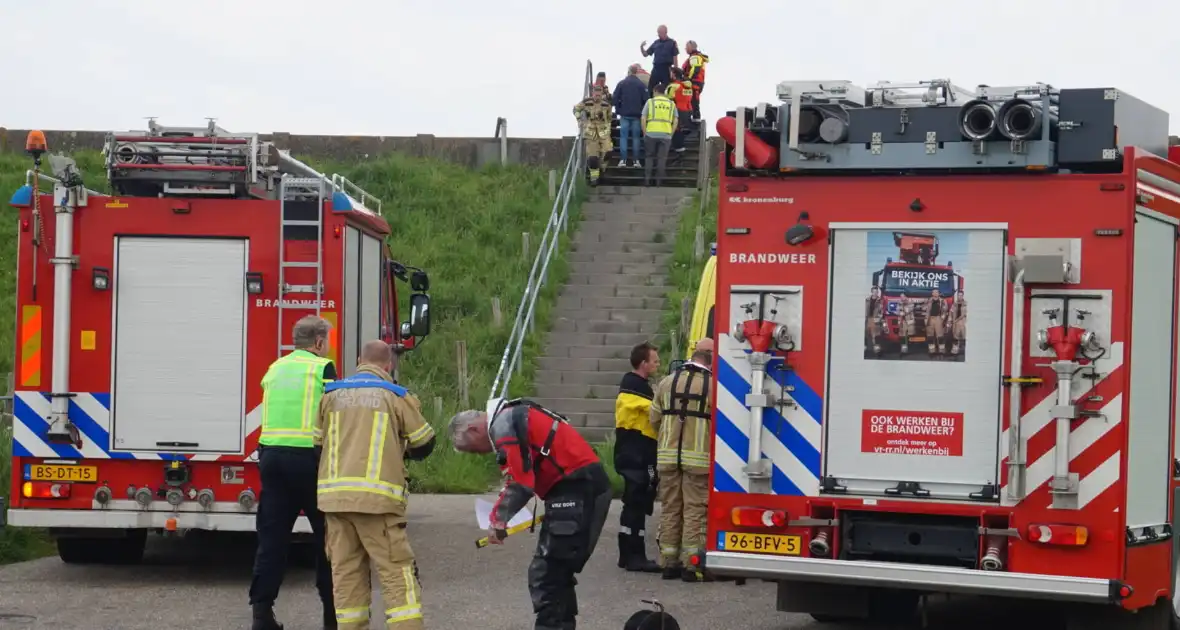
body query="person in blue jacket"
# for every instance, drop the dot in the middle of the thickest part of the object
(629, 98)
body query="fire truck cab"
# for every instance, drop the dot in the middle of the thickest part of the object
(147, 318)
(1041, 461)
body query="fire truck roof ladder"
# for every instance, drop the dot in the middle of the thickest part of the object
(302, 211)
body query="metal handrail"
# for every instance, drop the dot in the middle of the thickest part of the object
(511, 360)
(53, 180)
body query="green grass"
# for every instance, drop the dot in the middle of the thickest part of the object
(462, 226)
(684, 274)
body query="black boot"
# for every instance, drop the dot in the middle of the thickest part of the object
(330, 620)
(624, 550)
(264, 618)
(672, 572)
(637, 560)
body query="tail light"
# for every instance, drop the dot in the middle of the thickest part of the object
(24, 225)
(758, 517)
(45, 490)
(1062, 535)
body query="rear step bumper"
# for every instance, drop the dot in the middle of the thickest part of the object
(912, 576)
(129, 519)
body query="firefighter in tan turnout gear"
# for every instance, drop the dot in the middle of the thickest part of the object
(874, 314)
(936, 316)
(681, 414)
(594, 118)
(367, 425)
(958, 319)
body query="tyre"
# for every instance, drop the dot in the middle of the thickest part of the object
(118, 551)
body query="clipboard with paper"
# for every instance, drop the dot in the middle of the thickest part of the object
(521, 521)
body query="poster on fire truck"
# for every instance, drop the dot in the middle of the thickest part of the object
(915, 299)
(909, 399)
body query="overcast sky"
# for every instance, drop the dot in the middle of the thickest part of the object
(449, 68)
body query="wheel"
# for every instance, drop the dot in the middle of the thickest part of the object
(124, 550)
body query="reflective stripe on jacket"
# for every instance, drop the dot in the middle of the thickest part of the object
(633, 405)
(291, 392)
(682, 414)
(694, 67)
(661, 115)
(365, 424)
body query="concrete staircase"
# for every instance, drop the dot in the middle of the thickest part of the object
(681, 169)
(614, 299)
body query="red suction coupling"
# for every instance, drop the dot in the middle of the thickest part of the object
(759, 334)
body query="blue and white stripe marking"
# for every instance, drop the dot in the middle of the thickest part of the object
(790, 440)
(91, 413)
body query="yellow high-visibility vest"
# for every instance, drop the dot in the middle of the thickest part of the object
(291, 392)
(661, 113)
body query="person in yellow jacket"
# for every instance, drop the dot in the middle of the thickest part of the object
(635, 457)
(694, 71)
(287, 454)
(594, 118)
(367, 426)
(681, 413)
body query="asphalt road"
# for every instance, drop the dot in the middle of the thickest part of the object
(200, 582)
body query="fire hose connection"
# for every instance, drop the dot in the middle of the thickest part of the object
(205, 498)
(992, 560)
(143, 496)
(819, 546)
(102, 496)
(174, 497)
(247, 499)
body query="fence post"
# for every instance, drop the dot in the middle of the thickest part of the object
(552, 184)
(525, 247)
(698, 244)
(497, 314)
(461, 358)
(438, 407)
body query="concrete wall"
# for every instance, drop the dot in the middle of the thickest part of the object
(471, 152)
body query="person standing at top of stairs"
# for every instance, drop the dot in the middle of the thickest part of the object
(659, 123)
(664, 53)
(629, 99)
(694, 71)
(681, 93)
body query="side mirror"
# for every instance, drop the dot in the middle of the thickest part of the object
(419, 323)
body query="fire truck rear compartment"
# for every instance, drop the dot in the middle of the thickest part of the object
(166, 290)
(930, 539)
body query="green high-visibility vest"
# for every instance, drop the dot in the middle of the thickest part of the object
(661, 111)
(291, 393)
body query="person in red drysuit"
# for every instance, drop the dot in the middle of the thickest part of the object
(541, 454)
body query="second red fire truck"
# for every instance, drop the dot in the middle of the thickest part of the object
(1041, 464)
(147, 318)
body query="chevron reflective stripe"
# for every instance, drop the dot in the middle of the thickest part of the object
(791, 436)
(1095, 447)
(91, 413)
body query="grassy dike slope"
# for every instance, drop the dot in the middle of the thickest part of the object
(462, 227)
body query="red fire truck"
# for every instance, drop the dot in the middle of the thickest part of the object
(147, 318)
(1040, 466)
